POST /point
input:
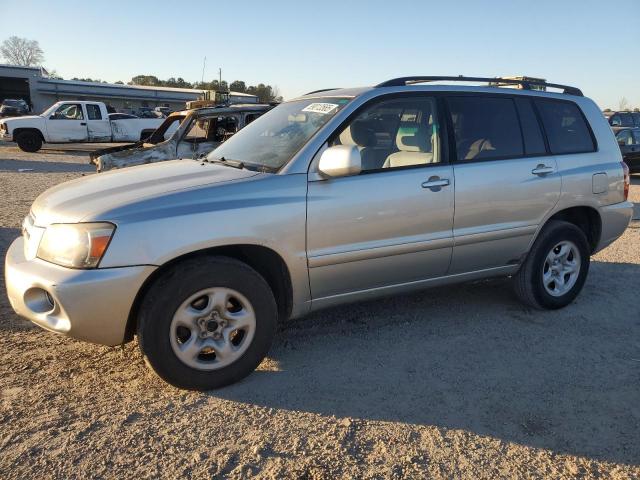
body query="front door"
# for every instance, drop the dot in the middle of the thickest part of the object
(67, 124)
(392, 223)
(505, 180)
(198, 139)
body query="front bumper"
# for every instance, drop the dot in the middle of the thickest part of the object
(6, 137)
(615, 220)
(90, 305)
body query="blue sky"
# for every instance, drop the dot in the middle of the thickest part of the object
(301, 46)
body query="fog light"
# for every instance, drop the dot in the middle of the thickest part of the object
(39, 300)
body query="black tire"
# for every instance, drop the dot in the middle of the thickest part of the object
(29, 141)
(528, 282)
(175, 286)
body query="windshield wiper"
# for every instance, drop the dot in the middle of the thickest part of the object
(225, 161)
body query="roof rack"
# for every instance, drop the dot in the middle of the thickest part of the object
(321, 90)
(525, 84)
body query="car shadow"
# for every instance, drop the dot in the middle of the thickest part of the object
(471, 357)
(29, 166)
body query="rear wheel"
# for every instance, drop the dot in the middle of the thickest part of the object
(207, 323)
(556, 268)
(29, 141)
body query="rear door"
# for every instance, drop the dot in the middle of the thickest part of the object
(506, 182)
(98, 125)
(391, 224)
(67, 124)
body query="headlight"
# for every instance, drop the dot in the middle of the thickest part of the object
(75, 245)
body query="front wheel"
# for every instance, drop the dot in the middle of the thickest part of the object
(29, 142)
(206, 323)
(556, 268)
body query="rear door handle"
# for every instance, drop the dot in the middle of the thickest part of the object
(84, 124)
(542, 170)
(435, 183)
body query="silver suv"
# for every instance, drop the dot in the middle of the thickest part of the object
(337, 196)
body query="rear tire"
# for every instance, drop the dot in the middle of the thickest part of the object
(556, 268)
(206, 323)
(29, 142)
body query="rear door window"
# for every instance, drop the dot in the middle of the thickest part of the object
(531, 133)
(485, 128)
(93, 112)
(565, 126)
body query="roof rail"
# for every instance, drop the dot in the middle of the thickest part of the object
(496, 81)
(321, 90)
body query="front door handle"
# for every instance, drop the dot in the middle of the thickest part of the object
(542, 169)
(434, 183)
(84, 124)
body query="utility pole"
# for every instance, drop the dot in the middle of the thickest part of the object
(204, 63)
(220, 75)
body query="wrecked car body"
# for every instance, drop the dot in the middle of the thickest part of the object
(186, 134)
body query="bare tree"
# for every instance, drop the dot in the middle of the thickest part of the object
(623, 103)
(22, 51)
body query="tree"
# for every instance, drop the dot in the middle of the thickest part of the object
(623, 103)
(21, 51)
(238, 86)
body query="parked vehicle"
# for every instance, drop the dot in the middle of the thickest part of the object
(629, 141)
(162, 111)
(623, 119)
(75, 121)
(187, 134)
(337, 196)
(13, 108)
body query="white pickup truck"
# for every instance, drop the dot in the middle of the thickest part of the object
(74, 121)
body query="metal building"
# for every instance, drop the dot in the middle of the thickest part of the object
(34, 86)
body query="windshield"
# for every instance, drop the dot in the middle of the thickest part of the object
(49, 111)
(269, 142)
(11, 103)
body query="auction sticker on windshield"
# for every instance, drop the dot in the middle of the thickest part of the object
(320, 107)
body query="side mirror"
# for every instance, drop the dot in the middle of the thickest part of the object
(340, 161)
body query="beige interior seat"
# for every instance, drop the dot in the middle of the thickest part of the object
(414, 144)
(360, 135)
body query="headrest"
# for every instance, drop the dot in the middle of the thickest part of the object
(358, 133)
(413, 138)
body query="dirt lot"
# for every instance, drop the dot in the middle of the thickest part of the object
(457, 382)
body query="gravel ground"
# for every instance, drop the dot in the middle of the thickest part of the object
(457, 382)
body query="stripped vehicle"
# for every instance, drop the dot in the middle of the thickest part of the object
(186, 134)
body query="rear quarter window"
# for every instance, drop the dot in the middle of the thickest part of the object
(566, 128)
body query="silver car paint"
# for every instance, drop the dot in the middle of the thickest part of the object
(350, 238)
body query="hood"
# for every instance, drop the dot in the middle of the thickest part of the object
(85, 199)
(26, 121)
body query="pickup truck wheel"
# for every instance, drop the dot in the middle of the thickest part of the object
(206, 323)
(556, 268)
(29, 141)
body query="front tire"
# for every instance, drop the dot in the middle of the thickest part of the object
(556, 268)
(29, 142)
(206, 323)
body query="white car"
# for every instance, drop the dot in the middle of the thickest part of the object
(74, 121)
